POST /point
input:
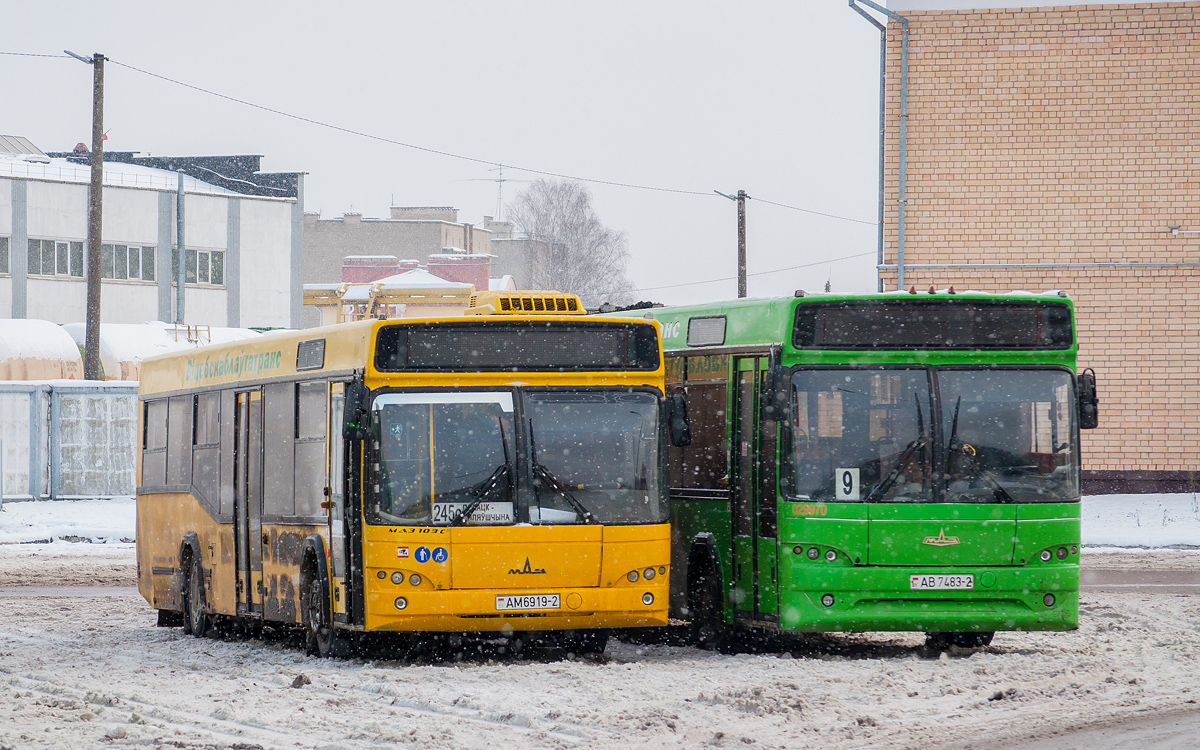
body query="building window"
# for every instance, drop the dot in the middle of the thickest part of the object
(127, 262)
(202, 267)
(4, 267)
(77, 259)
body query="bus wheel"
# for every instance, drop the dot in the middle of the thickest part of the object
(972, 640)
(195, 620)
(320, 639)
(708, 617)
(591, 642)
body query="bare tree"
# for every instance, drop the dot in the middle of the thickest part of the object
(570, 250)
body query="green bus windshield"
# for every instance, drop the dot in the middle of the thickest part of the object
(1000, 435)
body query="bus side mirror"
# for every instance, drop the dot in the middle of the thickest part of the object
(678, 427)
(777, 393)
(1089, 403)
(356, 412)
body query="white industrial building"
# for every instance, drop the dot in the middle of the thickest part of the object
(243, 237)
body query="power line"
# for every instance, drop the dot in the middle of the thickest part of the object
(413, 146)
(31, 54)
(817, 213)
(439, 152)
(757, 273)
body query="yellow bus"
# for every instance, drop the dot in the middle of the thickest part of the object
(499, 471)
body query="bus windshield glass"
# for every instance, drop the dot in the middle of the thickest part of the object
(862, 434)
(868, 435)
(1009, 435)
(443, 455)
(596, 457)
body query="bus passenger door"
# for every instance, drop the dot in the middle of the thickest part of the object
(247, 513)
(745, 568)
(336, 499)
(755, 595)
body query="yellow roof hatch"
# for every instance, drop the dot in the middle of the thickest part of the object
(524, 303)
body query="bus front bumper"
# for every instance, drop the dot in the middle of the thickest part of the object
(478, 610)
(865, 598)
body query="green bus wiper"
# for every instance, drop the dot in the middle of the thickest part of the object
(882, 488)
(542, 474)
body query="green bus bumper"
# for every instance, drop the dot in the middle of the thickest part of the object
(874, 598)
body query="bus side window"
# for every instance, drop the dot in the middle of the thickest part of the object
(310, 447)
(179, 441)
(703, 464)
(206, 446)
(279, 414)
(154, 443)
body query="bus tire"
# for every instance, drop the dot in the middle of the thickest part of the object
(972, 640)
(195, 619)
(586, 642)
(709, 630)
(320, 637)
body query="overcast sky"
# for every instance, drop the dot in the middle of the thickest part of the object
(779, 99)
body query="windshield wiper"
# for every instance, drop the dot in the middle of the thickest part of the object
(542, 474)
(882, 488)
(481, 490)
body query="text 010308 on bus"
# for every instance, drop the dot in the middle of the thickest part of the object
(878, 462)
(504, 470)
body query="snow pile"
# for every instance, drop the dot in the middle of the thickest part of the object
(109, 520)
(1142, 520)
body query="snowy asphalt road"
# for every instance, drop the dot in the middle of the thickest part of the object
(88, 671)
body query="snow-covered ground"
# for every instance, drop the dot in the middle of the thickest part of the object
(94, 671)
(1147, 521)
(82, 668)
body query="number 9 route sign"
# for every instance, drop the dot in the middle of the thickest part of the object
(846, 484)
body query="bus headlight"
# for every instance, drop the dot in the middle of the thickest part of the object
(401, 602)
(830, 555)
(813, 553)
(1062, 553)
(648, 574)
(827, 600)
(647, 598)
(397, 577)
(1046, 555)
(414, 579)
(1048, 600)
(632, 576)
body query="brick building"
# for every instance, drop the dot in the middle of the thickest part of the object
(1055, 147)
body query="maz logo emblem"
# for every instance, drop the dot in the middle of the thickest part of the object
(531, 571)
(941, 540)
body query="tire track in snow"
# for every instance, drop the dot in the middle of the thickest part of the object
(425, 708)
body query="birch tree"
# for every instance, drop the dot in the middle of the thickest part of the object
(571, 251)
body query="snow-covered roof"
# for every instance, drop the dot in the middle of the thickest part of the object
(419, 279)
(35, 339)
(116, 174)
(133, 342)
(370, 257)
(505, 283)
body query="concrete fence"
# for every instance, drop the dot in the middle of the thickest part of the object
(67, 439)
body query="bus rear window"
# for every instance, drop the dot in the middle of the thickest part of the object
(933, 324)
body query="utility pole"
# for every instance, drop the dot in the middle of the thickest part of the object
(740, 198)
(91, 331)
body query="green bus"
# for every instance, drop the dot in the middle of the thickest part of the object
(888, 462)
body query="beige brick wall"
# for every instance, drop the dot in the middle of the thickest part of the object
(1067, 135)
